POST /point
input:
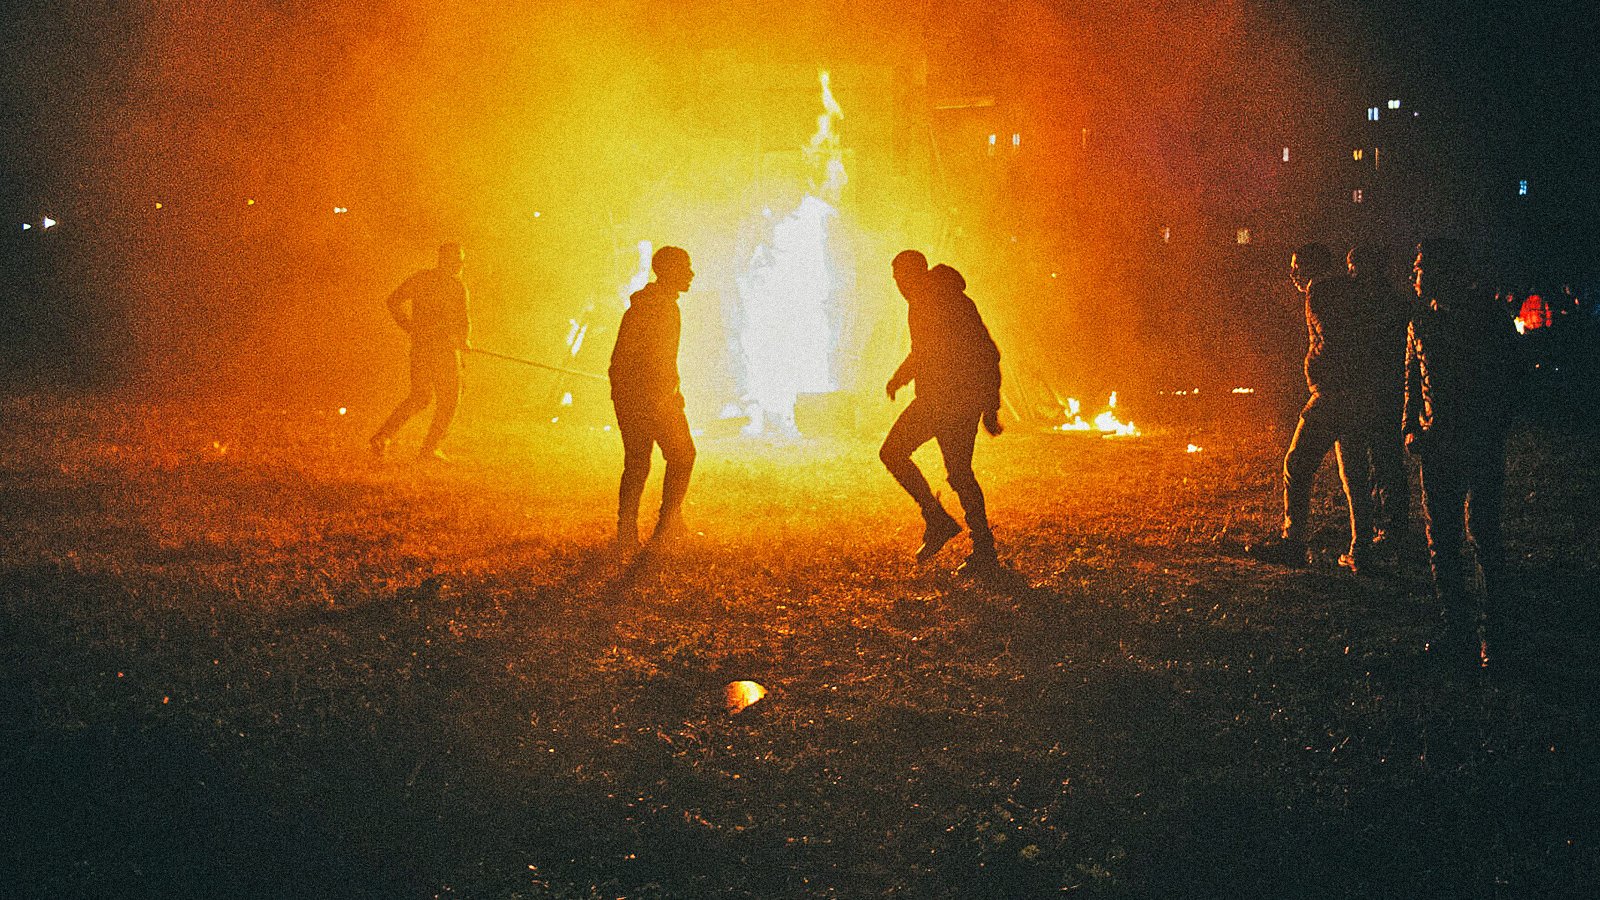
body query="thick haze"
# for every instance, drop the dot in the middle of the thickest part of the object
(679, 123)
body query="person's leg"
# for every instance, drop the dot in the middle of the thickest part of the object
(915, 426)
(956, 435)
(1485, 508)
(1313, 437)
(1443, 496)
(677, 447)
(416, 401)
(1351, 453)
(912, 429)
(1390, 491)
(445, 370)
(637, 443)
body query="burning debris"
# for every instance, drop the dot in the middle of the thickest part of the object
(1106, 423)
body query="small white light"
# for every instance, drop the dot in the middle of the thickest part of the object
(537, 214)
(48, 222)
(1394, 104)
(566, 399)
(26, 226)
(342, 410)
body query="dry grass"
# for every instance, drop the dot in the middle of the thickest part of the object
(244, 661)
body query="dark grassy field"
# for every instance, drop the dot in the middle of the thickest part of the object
(239, 659)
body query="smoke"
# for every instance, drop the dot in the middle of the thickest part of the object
(551, 138)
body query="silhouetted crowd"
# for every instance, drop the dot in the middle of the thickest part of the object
(1433, 372)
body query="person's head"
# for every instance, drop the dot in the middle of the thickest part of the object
(451, 257)
(910, 269)
(1440, 269)
(1309, 262)
(671, 265)
(1366, 261)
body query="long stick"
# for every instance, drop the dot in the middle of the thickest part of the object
(537, 365)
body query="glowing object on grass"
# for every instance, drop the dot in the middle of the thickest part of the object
(786, 338)
(1244, 390)
(740, 695)
(342, 410)
(1194, 448)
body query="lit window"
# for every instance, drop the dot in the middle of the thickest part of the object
(1286, 154)
(1357, 154)
(1522, 188)
(1372, 114)
(1356, 196)
(1016, 139)
(1394, 104)
(1242, 236)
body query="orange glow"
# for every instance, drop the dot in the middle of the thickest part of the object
(740, 695)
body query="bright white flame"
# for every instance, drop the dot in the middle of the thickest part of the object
(1522, 327)
(342, 410)
(786, 337)
(1194, 448)
(48, 222)
(566, 399)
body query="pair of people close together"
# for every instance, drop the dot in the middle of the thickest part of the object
(1430, 373)
(1386, 371)
(953, 363)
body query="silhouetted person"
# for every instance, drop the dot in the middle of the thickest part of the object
(644, 391)
(1385, 312)
(431, 306)
(956, 368)
(1460, 368)
(1337, 415)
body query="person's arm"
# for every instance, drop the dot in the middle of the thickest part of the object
(397, 304)
(903, 375)
(1411, 417)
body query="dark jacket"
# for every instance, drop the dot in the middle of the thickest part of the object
(1336, 339)
(1384, 314)
(438, 315)
(1460, 371)
(953, 359)
(644, 362)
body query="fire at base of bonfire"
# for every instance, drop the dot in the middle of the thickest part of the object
(1106, 424)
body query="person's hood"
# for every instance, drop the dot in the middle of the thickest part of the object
(944, 278)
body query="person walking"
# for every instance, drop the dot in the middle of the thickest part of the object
(956, 368)
(1460, 374)
(1335, 416)
(431, 307)
(649, 405)
(1385, 314)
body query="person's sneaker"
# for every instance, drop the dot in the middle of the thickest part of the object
(1280, 552)
(1356, 561)
(938, 532)
(432, 456)
(379, 445)
(979, 563)
(669, 531)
